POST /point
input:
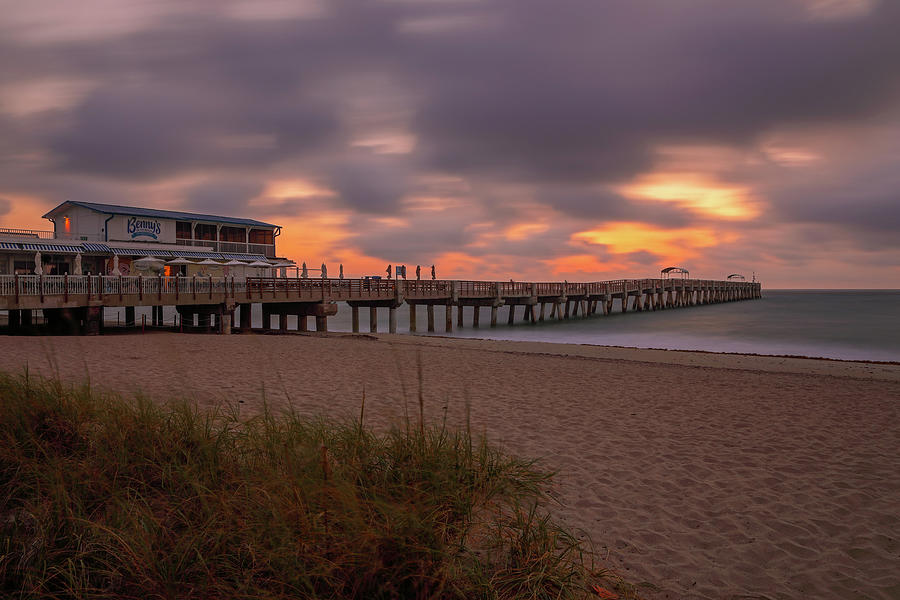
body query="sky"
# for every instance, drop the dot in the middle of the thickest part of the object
(527, 139)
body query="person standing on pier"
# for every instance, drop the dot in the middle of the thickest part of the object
(389, 271)
(418, 272)
(432, 272)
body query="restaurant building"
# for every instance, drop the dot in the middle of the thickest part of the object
(112, 239)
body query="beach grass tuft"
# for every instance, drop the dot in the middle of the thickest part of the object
(106, 498)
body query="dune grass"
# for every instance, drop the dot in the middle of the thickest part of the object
(103, 498)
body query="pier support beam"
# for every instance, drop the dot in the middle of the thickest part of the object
(412, 318)
(512, 314)
(321, 323)
(476, 315)
(494, 310)
(302, 324)
(448, 318)
(430, 311)
(354, 318)
(373, 319)
(459, 316)
(392, 319)
(282, 322)
(129, 316)
(245, 316)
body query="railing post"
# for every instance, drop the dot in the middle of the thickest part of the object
(159, 283)
(194, 286)
(17, 289)
(176, 288)
(65, 287)
(210, 287)
(120, 286)
(41, 285)
(141, 288)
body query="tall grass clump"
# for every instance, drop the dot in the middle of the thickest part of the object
(103, 498)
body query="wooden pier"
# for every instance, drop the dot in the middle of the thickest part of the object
(74, 303)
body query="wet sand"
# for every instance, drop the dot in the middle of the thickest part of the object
(703, 475)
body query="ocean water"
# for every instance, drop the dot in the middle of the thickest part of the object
(844, 324)
(840, 324)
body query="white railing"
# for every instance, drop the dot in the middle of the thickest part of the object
(27, 233)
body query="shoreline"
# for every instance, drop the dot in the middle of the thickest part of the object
(703, 475)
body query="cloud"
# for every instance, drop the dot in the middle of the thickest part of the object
(490, 131)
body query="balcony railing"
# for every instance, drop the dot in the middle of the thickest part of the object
(267, 250)
(27, 233)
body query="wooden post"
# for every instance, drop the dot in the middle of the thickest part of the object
(354, 317)
(531, 313)
(475, 315)
(66, 287)
(267, 317)
(448, 318)
(302, 324)
(459, 316)
(512, 315)
(494, 310)
(566, 315)
(392, 320)
(322, 324)
(412, 318)
(373, 319)
(542, 312)
(282, 322)
(430, 310)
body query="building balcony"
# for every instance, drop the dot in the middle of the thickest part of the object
(33, 234)
(267, 250)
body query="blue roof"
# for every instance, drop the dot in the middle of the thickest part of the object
(115, 209)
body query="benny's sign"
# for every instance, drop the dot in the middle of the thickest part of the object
(150, 228)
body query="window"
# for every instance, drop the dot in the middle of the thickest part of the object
(232, 234)
(262, 236)
(183, 230)
(205, 232)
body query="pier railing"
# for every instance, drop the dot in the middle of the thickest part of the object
(97, 287)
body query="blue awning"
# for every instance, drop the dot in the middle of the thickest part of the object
(9, 246)
(93, 247)
(193, 254)
(244, 256)
(52, 248)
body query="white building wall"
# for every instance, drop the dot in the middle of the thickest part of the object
(132, 228)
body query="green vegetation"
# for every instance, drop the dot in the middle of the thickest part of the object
(102, 498)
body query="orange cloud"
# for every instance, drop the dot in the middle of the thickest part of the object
(699, 193)
(673, 244)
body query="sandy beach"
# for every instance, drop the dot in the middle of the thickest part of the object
(701, 475)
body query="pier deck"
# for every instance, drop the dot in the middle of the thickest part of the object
(74, 303)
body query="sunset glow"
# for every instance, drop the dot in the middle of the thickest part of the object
(403, 132)
(697, 193)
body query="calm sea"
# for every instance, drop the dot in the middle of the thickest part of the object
(843, 324)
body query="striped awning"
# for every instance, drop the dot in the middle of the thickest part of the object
(9, 246)
(126, 251)
(94, 247)
(192, 254)
(244, 256)
(52, 248)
